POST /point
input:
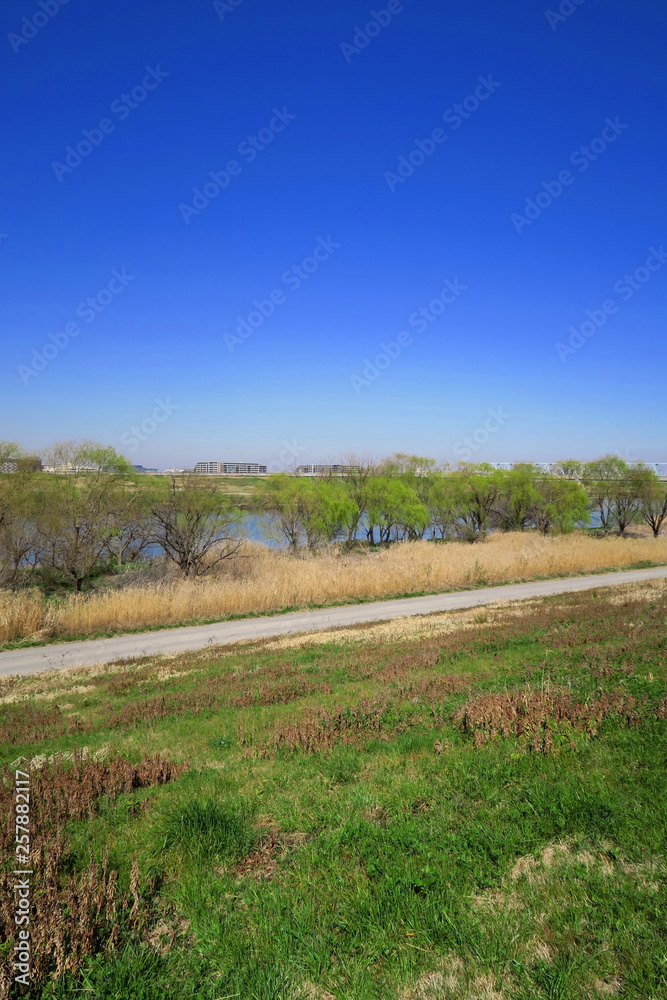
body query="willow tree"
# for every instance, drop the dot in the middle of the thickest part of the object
(75, 503)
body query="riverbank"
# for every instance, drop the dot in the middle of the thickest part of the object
(262, 580)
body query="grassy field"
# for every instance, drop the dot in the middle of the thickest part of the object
(467, 805)
(263, 580)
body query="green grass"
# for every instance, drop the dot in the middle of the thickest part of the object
(378, 867)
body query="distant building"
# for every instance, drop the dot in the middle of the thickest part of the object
(243, 469)
(69, 468)
(28, 464)
(208, 468)
(230, 469)
(142, 469)
(325, 470)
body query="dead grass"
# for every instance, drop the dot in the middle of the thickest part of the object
(74, 914)
(453, 980)
(535, 715)
(267, 580)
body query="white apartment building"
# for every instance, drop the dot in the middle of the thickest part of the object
(230, 469)
(325, 470)
(209, 468)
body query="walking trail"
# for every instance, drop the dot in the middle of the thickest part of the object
(63, 655)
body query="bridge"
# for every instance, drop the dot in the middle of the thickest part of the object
(660, 468)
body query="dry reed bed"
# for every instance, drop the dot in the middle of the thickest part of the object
(266, 580)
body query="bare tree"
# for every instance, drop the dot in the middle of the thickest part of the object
(195, 524)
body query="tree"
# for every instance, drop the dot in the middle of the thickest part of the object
(560, 504)
(609, 484)
(442, 503)
(359, 473)
(74, 515)
(651, 495)
(309, 511)
(571, 468)
(518, 497)
(129, 523)
(19, 535)
(478, 489)
(325, 510)
(195, 524)
(10, 451)
(279, 497)
(395, 507)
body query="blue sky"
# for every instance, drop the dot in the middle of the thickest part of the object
(337, 98)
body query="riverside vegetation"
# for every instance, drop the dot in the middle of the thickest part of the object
(464, 806)
(98, 549)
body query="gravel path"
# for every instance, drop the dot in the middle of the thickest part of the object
(62, 655)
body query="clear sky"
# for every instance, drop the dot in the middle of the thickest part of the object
(449, 189)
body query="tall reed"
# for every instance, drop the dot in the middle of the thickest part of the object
(267, 580)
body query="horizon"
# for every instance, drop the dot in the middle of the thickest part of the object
(240, 231)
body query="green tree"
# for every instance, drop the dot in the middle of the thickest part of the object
(395, 508)
(478, 492)
(571, 468)
(517, 498)
(560, 504)
(309, 512)
(19, 534)
(609, 483)
(326, 510)
(74, 507)
(651, 495)
(442, 502)
(280, 498)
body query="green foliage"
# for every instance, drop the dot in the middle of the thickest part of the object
(210, 828)
(96, 514)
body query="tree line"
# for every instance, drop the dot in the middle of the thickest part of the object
(98, 513)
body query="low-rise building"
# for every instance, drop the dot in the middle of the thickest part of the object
(230, 469)
(243, 469)
(325, 470)
(28, 464)
(208, 468)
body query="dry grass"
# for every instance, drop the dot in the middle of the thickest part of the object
(266, 580)
(534, 714)
(73, 914)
